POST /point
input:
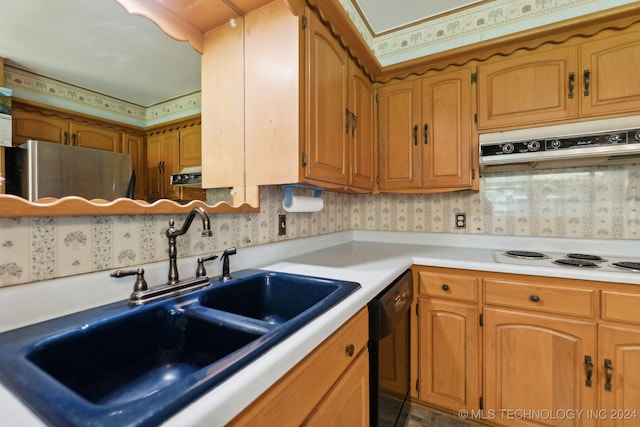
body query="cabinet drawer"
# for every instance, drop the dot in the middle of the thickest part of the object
(620, 306)
(308, 382)
(553, 299)
(452, 286)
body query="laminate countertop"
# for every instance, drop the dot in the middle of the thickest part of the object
(373, 259)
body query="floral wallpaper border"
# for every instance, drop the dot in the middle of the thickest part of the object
(39, 88)
(487, 20)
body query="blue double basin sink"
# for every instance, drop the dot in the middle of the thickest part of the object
(119, 365)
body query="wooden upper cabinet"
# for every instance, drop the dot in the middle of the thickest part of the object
(446, 130)
(88, 136)
(32, 125)
(190, 146)
(327, 88)
(56, 128)
(362, 148)
(398, 128)
(424, 133)
(528, 88)
(135, 146)
(609, 72)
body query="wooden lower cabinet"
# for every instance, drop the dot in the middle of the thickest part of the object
(517, 350)
(536, 363)
(329, 387)
(347, 404)
(449, 354)
(449, 374)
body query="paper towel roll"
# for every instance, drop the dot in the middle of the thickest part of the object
(304, 204)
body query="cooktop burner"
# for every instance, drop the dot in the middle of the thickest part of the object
(633, 266)
(573, 262)
(586, 257)
(570, 260)
(526, 255)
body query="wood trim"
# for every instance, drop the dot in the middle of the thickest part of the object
(181, 123)
(14, 206)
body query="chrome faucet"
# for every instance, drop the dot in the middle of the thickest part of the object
(173, 233)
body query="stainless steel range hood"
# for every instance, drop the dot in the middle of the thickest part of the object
(597, 142)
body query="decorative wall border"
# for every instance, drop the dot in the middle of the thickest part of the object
(490, 20)
(42, 89)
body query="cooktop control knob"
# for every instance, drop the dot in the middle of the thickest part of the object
(556, 143)
(533, 145)
(507, 148)
(637, 136)
(615, 138)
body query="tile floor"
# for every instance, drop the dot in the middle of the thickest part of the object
(421, 416)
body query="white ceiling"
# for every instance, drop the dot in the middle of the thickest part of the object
(97, 45)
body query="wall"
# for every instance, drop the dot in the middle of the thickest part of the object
(577, 203)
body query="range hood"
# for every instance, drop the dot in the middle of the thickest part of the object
(597, 142)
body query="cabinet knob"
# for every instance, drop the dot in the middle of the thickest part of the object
(350, 349)
(445, 287)
(534, 298)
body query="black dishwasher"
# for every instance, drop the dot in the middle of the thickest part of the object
(389, 345)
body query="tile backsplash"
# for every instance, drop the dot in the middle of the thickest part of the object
(576, 203)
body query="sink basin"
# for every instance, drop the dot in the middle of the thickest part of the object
(274, 298)
(154, 349)
(119, 365)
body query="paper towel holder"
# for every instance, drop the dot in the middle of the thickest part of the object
(288, 192)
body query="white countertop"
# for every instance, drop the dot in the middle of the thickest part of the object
(372, 259)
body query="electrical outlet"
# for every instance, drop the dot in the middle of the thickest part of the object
(461, 220)
(282, 225)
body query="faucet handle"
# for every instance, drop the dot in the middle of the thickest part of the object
(200, 271)
(140, 284)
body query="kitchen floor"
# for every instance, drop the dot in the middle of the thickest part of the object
(424, 417)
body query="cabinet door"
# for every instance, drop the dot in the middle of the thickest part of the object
(28, 125)
(611, 83)
(347, 403)
(155, 156)
(327, 80)
(449, 354)
(446, 130)
(171, 163)
(134, 146)
(537, 363)
(83, 135)
(620, 402)
(528, 87)
(398, 135)
(191, 146)
(362, 142)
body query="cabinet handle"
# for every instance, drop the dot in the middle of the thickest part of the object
(415, 135)
(588, 364)
(350, 349)
(73, 140)
(587, 81)
(445, 287)
(66, 138)
(572, 84)
(349, 115)
(534, 298)
(160, 166)
(355, 125)
(425, 131)
(608, 366)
